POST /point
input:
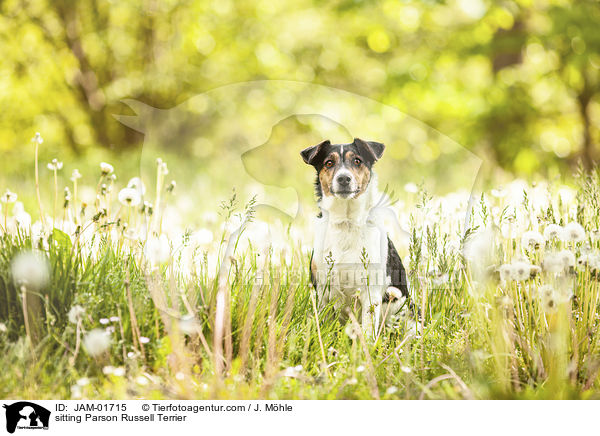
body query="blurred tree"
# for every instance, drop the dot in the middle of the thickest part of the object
(513, 80)
(576, 39)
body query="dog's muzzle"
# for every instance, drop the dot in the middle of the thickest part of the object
(344, 185)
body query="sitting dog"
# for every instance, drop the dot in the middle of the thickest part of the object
(353, 255)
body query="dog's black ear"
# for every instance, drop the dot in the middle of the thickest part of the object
(375, 149)
(309, 154)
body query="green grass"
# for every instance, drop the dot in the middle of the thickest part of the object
(250, 328)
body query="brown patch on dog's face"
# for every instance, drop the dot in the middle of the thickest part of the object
(327, 172)
(343, 170)
(360, 171)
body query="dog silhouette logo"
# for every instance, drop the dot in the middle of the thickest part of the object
(26, 415)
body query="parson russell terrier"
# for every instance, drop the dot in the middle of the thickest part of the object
(353, 255)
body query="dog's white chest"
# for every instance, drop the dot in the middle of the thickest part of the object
(350, 251)
(349, 244)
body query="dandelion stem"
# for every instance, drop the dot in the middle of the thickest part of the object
(37, 185)
(158, 187)
(77, 342)
(25, 314)
(135, 330)
(75, 201)
(55, 197)
(314, 305)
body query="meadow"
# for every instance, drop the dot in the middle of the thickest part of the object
(113, 297)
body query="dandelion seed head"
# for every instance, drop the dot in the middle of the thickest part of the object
(594, 262)
(129, 197)
(37, 138)
(67, 194)
(106, 168)
(39, 237)
(567, 258)
(137, 184)
(75, 314)
(22, 218)
(394, 293)
(552, 263)
(550, 304)
(546, 291)
(162, 167)
(532, 239)
(505, 272)
(534, 271)
(96, 342)
(31, 270)
(520, 271)
(8, 197)
(75, 175)
(553, 231)
(55, 165)
(350, 330)
(573, 232)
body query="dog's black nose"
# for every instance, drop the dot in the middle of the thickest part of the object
(343, 180)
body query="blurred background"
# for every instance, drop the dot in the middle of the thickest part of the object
(517, 83)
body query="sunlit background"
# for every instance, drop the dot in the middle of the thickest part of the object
(515, 82)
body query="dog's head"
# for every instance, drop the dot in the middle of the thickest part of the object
(343, 170)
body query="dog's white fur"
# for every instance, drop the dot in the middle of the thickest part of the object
(346, 228)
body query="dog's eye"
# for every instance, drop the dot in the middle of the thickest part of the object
(357, 161)
(329, 163)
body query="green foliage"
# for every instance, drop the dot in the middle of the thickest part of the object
(516, 82)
